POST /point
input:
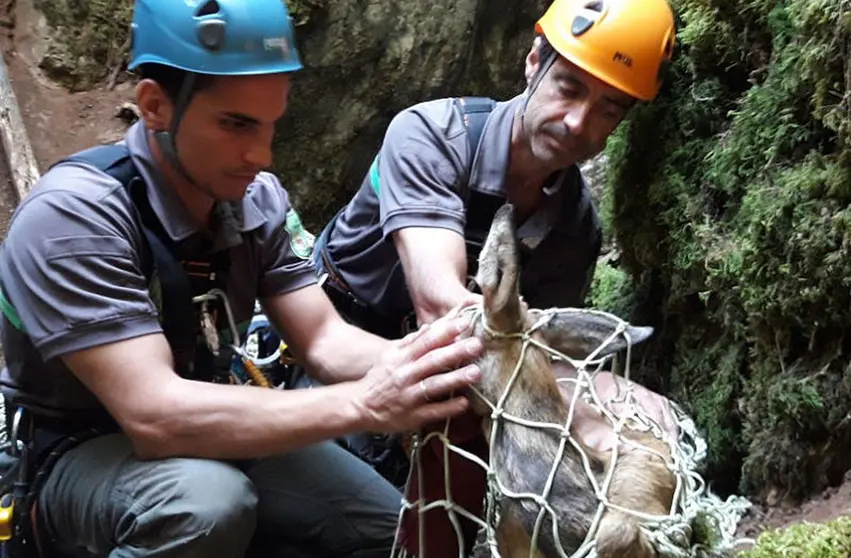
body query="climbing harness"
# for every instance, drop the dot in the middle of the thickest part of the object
(699, 524)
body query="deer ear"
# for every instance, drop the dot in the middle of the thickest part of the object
(499, 270)
(577, 333)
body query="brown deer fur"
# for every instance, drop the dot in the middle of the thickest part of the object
(523, 456)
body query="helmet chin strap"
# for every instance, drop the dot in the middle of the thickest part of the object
(546, 64)
(166, 139)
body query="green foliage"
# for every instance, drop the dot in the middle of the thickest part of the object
(611, 289)
(730, 199)
(92, 39)
(806, 540)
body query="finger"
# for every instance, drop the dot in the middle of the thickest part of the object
(407, 340)
(445, 358)
(441, 386)
(440, 410)
(472, 299)
(439, 334)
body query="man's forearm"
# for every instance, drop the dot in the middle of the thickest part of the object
(435, 264)
(229, 422)
(331, 349)
(434, 299)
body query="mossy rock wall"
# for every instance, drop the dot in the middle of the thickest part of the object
(88, 40)
(729, 199)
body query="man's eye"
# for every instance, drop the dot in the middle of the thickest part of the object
(231, 124)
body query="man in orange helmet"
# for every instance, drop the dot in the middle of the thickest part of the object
(411, 235)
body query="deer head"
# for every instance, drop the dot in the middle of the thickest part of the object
(573, 332)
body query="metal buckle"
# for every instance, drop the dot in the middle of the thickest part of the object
(213, 294)
(18, 447)
(209, 329)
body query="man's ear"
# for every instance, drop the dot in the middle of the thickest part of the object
(154, 104)
(533, 60)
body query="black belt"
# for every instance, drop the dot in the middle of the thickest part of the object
(354, 309)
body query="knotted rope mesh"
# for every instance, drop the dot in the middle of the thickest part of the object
(699, 523)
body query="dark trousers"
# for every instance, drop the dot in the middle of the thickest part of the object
(319, 501)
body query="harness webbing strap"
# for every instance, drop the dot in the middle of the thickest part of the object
(476, 111)
(161, 264)
(178, 315)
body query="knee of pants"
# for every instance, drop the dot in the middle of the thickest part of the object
(195, 499)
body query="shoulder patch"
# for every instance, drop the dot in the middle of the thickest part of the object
(156, 292)
(301, 241)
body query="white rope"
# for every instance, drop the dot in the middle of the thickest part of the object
(671, 534)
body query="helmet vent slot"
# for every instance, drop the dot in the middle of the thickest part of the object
(585, 19)
(211, 34)
(581, 24)
(209, 8)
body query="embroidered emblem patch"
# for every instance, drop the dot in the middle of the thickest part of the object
(301, 241)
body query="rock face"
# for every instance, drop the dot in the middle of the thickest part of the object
(365, 61)
(86, 40)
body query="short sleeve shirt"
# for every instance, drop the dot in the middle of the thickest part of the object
(71, 266)
(422, 163)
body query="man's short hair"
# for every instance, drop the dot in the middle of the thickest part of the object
(545, 51)
(171, 79)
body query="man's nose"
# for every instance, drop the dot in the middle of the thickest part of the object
(576, 118)
(259, 153)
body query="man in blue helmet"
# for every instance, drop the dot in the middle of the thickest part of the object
(123, 257)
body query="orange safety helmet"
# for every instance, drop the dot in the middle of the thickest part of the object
(626, 43)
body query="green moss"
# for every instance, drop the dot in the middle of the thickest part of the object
(302, 11)
(806, 540)
(90, 39)
(611, 290)
(730, 199)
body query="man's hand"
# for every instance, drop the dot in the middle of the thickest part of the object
(595, 429)
(419, 380)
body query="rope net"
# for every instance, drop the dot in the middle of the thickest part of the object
(699, 523)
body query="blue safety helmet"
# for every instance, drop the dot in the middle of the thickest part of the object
(219, 37)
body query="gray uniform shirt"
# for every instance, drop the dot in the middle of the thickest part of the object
(424, 158)
(71, 266)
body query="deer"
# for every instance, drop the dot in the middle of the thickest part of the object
(522, 456)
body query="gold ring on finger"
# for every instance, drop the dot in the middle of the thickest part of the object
(424, 389)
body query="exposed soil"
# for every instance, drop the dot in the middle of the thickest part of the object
(830, 504)
(60, 123)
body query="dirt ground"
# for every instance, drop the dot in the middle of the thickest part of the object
(830, 504)
(60, 123)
